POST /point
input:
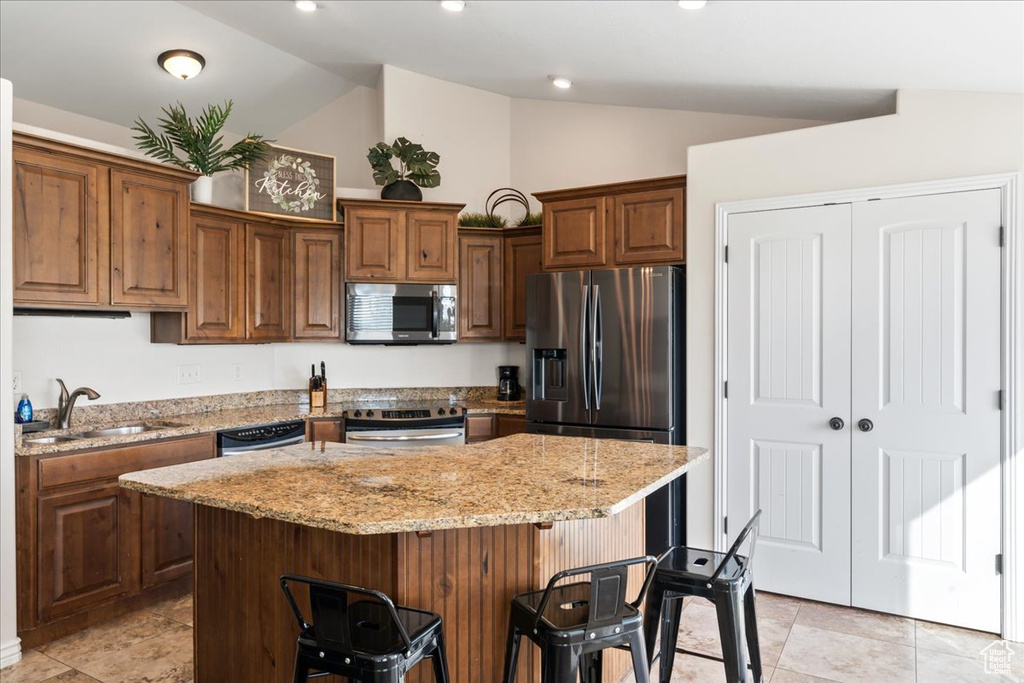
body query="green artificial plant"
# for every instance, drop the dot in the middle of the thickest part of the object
(199, 142)
(416, 164)
(472, 219)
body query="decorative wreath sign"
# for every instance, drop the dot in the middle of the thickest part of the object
(293, 183)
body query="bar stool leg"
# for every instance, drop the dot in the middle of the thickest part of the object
(511, 653)
(729, 607)
(591, 667)
(440, 661)
(559, 664)
(753, 642)
(301, 670)
(652, 615)
(669, 634)
(641, 663)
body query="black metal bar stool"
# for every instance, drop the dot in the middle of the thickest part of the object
(573, 623)
(369, 641)
(725, 579)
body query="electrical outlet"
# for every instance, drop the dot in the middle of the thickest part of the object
(236, 372)
(16, 382)
(190, 374)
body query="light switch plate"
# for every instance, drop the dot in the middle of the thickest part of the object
(236, 372)
(190, 374)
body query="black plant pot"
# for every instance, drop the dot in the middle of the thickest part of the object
(405, 190)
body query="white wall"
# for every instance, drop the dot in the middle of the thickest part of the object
(934, 135)
(564, 144)
(468, 127)
(10, 649)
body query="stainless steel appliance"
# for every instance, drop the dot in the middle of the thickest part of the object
(605, 359)
(400, 313)
(508, 383)
(388, 425)
(260, 438)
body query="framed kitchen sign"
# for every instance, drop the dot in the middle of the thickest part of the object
(291, 183)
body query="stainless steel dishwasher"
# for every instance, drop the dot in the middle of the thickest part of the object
(260, 437)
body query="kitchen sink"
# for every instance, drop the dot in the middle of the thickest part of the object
(52, 439)
(121, 431)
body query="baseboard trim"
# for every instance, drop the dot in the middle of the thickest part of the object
(10, 652)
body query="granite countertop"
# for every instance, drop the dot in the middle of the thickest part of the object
(519, 479)
(174, 426)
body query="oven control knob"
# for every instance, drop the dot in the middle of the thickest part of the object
(440, 411)
(369, 413)
(358, 413)
(452, 411)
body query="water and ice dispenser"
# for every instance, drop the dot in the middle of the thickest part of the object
(549, 375)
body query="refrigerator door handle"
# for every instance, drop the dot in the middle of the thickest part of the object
(584, 365)
(597, 346)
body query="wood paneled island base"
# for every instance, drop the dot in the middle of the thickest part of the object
(244, 630)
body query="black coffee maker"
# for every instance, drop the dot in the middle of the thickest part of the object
(508, 383)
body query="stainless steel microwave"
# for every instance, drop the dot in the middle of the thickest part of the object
(400, 314)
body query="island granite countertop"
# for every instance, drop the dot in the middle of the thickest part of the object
(519, 479)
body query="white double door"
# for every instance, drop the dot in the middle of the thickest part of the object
(863, 408)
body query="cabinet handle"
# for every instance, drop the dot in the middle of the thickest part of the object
(836, 423)
(865, 425)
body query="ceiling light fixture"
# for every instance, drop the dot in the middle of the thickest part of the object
(306, 5)
(453, 5)
(693, 4)
(560, 82)
(182, 64)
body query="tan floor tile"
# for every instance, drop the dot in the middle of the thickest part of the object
(843, 657)
(166, 658)
(176, 609)
(698, 631)
(938, 666)
(34, 667)
(952, 640)
(778, 607)
(71, 677)
(81, 649)
(783, 676)
(857, 622)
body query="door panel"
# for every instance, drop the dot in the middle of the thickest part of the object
(373, 245)
(167, 539)
(430, 239)
(522, 258)
(574, 233)
(480, 295)
(218, 281)
(789, 374)
(268, 255)
(317, 284)
(926, 365)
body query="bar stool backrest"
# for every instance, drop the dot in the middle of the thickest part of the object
(750, 530)
(608, 582)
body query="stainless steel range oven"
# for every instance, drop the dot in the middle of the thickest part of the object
(405, 425)
(400, 314)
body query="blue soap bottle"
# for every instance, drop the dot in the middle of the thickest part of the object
(24, 413)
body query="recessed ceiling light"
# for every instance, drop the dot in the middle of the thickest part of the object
(183, 64)
(560, 82)
(692, 4)
(453, 5)
(306, 5)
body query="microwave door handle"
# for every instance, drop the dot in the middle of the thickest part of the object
(584, 365)
(435, 323)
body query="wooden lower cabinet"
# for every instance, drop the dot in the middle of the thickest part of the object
(88, 550)
(484, 427)
(326, 429)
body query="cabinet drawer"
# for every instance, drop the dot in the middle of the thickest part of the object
(479, 428)
(82, 467)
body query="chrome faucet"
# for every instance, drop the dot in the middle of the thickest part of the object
(66, 402)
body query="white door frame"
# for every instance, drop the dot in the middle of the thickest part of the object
(1012, 334)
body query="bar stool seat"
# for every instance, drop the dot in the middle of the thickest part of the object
(371, 641)
(574, 623)
(727, 580)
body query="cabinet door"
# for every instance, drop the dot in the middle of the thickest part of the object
(511, 424)
(167, 534)
(574, 233)
(60, 231)
(479, 428)
(84, 550)
(327, 430)
(522, 257)
(217, 294)
(317, 284)
(374, 245)
(148, 242)
(269, 291)
(480, 282)
(648, 227)
(430, 243)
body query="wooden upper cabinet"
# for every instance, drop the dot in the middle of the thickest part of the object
(317, 258)
(523, 255)
(648, 226)
(60, 230)
(480, 287)
(430, 244)
(374, 248)
(574, 233)
(269, 287)
(148, 241)
(641, 222)
(217, 297)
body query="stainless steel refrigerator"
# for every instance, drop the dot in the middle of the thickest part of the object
(605, 359)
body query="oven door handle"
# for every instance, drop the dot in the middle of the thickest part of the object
(421, 437)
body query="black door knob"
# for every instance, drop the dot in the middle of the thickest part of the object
(866, 425)
(836, 423)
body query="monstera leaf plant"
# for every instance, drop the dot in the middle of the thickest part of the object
(416, 168)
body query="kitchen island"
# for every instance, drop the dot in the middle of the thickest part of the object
(457, 530)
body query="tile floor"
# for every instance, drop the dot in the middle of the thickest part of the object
(801, 642)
